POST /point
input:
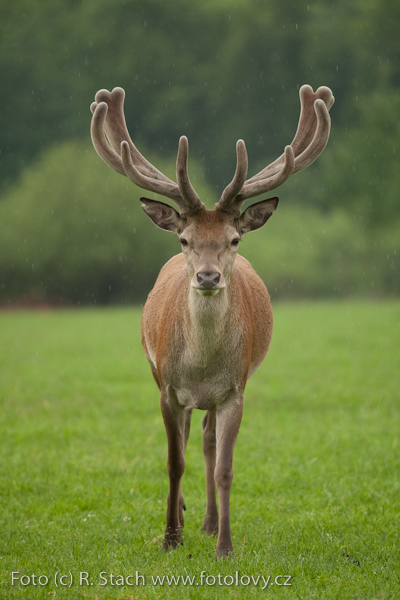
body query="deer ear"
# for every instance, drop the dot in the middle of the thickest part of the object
(256, 215)
(163, 215)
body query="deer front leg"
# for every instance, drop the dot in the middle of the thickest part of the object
(176, 421)
(210, 523)
(228, 421)
(182, 505)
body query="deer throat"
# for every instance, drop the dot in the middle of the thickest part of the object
(207, 319)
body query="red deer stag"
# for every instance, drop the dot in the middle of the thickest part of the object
(207, 323)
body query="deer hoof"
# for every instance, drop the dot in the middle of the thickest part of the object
(224, 552)
(210, 525)
(172, 539)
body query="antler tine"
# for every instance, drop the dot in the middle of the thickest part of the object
(103, 149)
(307, 120)
(113, 144)
(309, 141)
(182, 177)
(261, 186)
(233, 189)
(320, 139)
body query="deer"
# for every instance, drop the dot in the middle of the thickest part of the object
(207, 323)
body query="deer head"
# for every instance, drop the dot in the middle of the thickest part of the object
(209, 238)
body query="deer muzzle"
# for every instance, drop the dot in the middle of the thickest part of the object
(208, 283)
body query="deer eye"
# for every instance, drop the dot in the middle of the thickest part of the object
(235, 242)
(183, 241)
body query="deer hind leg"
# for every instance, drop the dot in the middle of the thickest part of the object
(176, 421)
(228, 421)
(210, 523)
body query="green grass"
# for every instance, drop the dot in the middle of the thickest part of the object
(316, 491)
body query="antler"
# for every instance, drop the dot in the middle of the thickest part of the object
(113, 144)
(311, 138)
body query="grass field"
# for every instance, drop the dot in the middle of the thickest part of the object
(316, 491)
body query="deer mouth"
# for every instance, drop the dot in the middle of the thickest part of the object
(204, 292)
(208, 290)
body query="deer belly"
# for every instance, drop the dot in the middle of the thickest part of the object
(204, 395)
(204, 388)
(204, 374)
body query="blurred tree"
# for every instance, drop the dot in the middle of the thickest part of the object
(74, 231)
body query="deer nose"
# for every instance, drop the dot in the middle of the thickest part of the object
(208, 281)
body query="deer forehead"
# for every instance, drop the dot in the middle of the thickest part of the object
(212, 227)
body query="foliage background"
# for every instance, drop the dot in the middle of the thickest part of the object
(71, 230)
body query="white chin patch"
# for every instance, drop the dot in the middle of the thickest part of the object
(208, 292)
